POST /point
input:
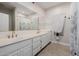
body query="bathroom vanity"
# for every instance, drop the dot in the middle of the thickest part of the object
(24, 45)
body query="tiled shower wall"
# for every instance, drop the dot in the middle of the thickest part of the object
(75, 29)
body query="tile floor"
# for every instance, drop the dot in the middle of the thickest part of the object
(55, 49)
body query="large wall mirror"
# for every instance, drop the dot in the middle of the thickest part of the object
(17, 19)
(6, 19)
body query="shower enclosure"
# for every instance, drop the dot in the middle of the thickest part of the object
(75, 29)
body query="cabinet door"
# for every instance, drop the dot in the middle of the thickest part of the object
(49, 36)
(36, 50)
(14, 53)
(45, 39)
(36, 45)
(26, 51)
(36, 42)
(7, 50)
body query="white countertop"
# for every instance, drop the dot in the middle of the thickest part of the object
(29, 35)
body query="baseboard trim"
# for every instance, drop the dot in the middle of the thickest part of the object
(61, 43)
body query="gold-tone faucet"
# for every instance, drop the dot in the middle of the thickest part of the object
(12, 35)
(8, 36)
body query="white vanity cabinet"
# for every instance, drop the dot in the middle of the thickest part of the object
(27, 47)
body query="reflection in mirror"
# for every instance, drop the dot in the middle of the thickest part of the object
(26, 23)
(34, 25)
(5, 18)
(4, 22)
(23, 22)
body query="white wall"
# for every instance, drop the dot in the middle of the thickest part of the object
(33, 7)
(60, 10)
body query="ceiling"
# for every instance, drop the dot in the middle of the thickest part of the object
(22, 9)
(19, 7)
(48, 5)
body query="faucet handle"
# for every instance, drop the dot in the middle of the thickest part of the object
(16, 35)
(8, 36)
(13, 34)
